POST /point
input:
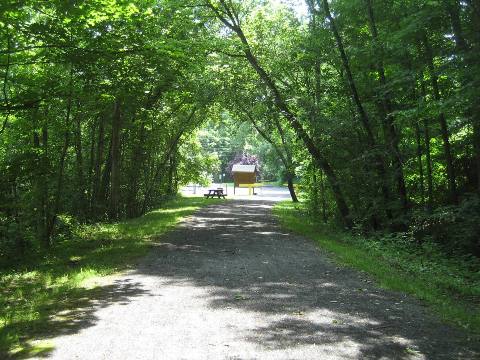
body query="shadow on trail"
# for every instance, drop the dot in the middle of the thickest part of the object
(246, 262)
(68, 312)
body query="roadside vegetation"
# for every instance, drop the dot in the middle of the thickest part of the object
(53, 292)
(450, 285)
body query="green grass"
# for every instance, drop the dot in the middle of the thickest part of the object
(451, 287)
(58, 291)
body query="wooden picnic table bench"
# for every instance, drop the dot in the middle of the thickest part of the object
(215, 192)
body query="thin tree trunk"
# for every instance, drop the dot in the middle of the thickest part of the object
(291, 187)
(365, 121)
(324, 198)
(59, 189)
(115, 151)
(41, 179)
(97, 170)
(470, 77)
(171, 165)
(104, 192)
(91, 167)
(452, 187)
(391, 134)
(82, 207)
(428, 165)
(45, 191)
(314, 190)
(134, 172)
(476, 145)
(233, 23)
(420, 164)
(61, 167)
(346, 65)
(428, 159)
(163, 163)
(289, 166)
(286, 158)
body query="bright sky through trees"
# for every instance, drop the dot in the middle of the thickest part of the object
(299, 6)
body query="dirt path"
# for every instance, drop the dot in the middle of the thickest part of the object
(230, 284)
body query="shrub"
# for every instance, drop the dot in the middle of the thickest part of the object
(455, 228)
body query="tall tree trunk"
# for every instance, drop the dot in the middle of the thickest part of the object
(157, 174)
(171, 167)
(365, 121)
(61, 167)
(104, 191)
(97, 196)
(476, 145)
(40, 143)
(453, 10)
(351, 82)
(468, 55)
(452, 187)
(391, 134)
(233, 24)
(115, 151)
(314, 190)
(420, 164)
(134, 172)
(91, 167)
(81, 206)
(45, 179)
(428, 165)
(291, 187)
(428, 159)
(285, 155)
(324, 198)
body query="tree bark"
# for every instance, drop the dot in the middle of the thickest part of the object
(104, 191)
(135, 166)
(452, 187)
(97, 170)
(324, 198)
(91, 167)
(286, 158)
(40, 143)
(82, 205)
(365, 121)
(391, 134)
(52, 219)
(157, 172)
(114, 210)
(468, 56)
(346, 65)
(428, 166)
(233, 24)
(420, 163)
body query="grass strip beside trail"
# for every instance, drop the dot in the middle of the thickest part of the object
(450, 287)
(58, 291)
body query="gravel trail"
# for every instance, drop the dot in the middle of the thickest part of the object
(229, 283)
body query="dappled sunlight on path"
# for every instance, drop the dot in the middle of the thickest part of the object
(229, 283)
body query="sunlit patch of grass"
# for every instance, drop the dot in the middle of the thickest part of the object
(38, 349)
(67, 278)
(450, 287)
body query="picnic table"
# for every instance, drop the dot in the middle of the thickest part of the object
(215, 192)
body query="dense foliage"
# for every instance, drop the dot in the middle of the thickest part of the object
(99, 102)
(372, 104)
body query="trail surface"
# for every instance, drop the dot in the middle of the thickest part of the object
(229, 283)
